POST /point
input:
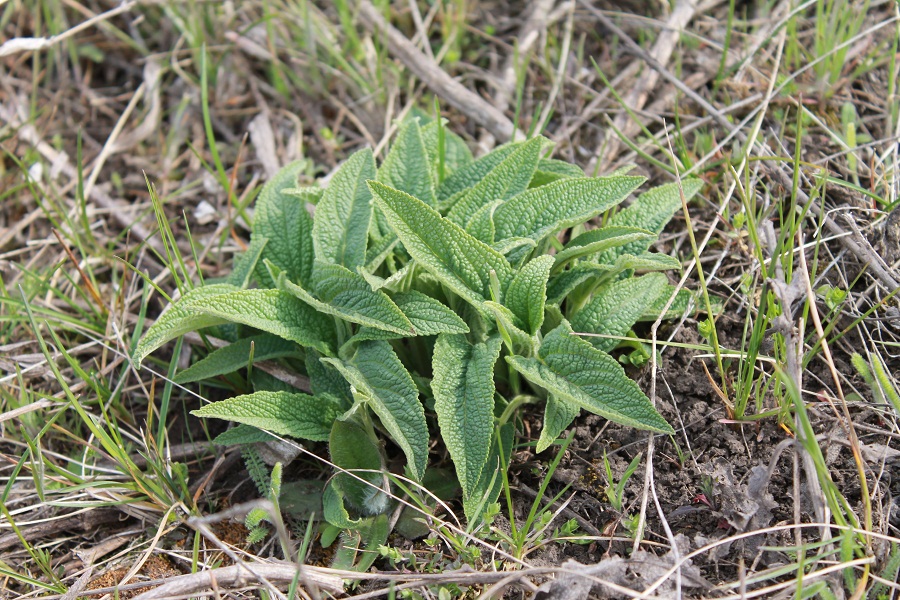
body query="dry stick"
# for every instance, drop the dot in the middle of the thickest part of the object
(863, 254)
(431, 74)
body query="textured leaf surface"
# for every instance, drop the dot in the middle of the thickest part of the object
(461, 262)
(180, 319)
(325, 379)
(528, 291)
(558, 415)
(407, 167)
(428, 316)
(349, 296)
(471, 174)
(245, 264)
(507, 179)
(380, 380)
(617, 308)
(456, 152)
(283, 219)
(463, 387)
(351, 449)
(490, 484)
(562, 284)
(565, 203)
(341, 228)
(242, 434)
(237, 356)
(599, 240)
(273, 311)
(551, 169)
(579, 373)
(651, 211)
(283, 413)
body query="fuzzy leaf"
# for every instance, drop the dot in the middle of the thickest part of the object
(463, 387)
(617, 308)
(179, 319)
(558, 415)
(325, 379)
(245, 264)
(458, 260)
(352, 450)
(242, 434)
(456, 152)
(349, 296)
(282, 219)
(380, 380)
(341, 228)
(550, 170)
(527, 293)
(471, 174)
(558, 205)
(283, 413)
(507, 179)
(428, 316)
(237, 356)
(579, 373)
(273, 311)
(407, 166)
(562, 284)
(599, 240)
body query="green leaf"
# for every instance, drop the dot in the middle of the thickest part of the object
(273, 311)
(490, 484)
(471, 174)
(616, 309)
(457, 259)
(407, 167)
(599, 240)
(349, 296)
(512, 329)
(651, 211)
(550, 170)
(282, 413)
(456, 152)
(428, 316)
(242, 434)
(558, 415)
(527, 293)
(180, 319)
(333, 507)
(579, 373)
(380, 380)
(245, 263)
(544, 210)
(507, 179)
(237, 356)
(463, 387)
(352, 450)
(646, 261)
(283, 219)
(562, 284)
(325, 379)
(341, 228)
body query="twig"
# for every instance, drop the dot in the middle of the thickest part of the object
(431, 74)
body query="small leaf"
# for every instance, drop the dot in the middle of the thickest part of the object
(273, 311)
(511, 328)
(527, 293)
(242, 434)
(562, 284)
(544, 210)
(471, 174)
(579, 373)
(646, 261)
(333, 508)
(463, 387)
(352, 450)
(550, 170)
(407, 167)
(349, 296)
(558, 415)
(341, 228)
(178, 319)
(599, 240)
(282, 219)
(428, 316)
(651, 211)
(616, 309)
(507, 179)
(461, 262)
(245, 264)
(236, 356)
(380, 380)
(282, 413)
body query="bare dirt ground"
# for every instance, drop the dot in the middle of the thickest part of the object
(726, 508)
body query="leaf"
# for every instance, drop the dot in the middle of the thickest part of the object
(541, 211)
(282, 413)
(511, 327)
(490, 484)
(274, 311)
(550, 170)
(325, 379)
(558, 415)
(352, 450)
(471, 174)
(651, 211)
(505, 180)
(428, 316)
(562, 284)
(349, 296)
(599, 240)
(579, 373)
(463, 387)
(646, 261)
(457, 259)
(616, 309)
(456, 152)
(407, 167)
(179, 319)
(333, 507)
(246, 262)
(282, 219)
(341, 228)
(242, 434)
(237, 356)
(527, 293)
(380, 380)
